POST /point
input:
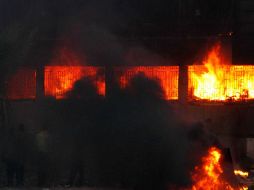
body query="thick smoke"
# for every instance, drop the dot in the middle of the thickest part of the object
(131, 139)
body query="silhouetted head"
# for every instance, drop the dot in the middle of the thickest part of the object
(143, 87)
(83, 89)
(21, 127)
(44, 128)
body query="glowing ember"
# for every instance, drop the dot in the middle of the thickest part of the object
(209, 175)
(216, 80)
(60, 79)
(241, 173)
(166, 75)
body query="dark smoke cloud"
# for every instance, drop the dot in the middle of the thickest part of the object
(133, 138)
(142, 56)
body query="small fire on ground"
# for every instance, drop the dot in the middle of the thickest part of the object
(209, 175)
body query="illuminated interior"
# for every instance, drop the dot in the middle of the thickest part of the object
(236, 83)
(217, 80)
(167, 75)
(58, 80)
(21, 85)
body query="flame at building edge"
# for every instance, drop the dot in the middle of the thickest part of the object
(216, 80)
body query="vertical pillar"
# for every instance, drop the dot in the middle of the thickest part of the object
(183, 84)
(109, 80)
(40, 82)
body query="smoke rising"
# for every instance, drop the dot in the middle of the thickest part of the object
(132, 138)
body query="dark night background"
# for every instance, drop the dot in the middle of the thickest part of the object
(164, 28)
(168, 28)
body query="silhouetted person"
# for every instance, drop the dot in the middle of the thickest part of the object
(21, 154)
(43, 157)
(150, 149)
(77, 169)
(15, 156)
(76, 176)
(84, 93)
(9, 157)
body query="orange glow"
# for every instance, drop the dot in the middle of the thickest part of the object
(218, 81)
(241, 173)
(21, 85)
(60, 79)
(209, 175)
(166, 75)
(66, 57)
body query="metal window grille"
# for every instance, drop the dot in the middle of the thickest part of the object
(21, 85)
(167, 75)
(236, 81)
(58, 80)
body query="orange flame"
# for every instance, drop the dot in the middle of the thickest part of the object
(67, 69)
(60, 79)
(209, 175)
(216, 80)
(241, 173)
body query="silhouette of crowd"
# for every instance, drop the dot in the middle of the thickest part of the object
(129, 139)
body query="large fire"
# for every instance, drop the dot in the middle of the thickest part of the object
(166, 75)
(60, 79)
(208, 176)
(219, 81)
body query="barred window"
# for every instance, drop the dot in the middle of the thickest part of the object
(234, 82)
(21, 84)
(166, 75)
(58, 80)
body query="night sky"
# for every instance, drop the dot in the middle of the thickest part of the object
(161, 17)
(109, 29)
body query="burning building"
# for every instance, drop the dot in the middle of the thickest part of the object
(211, 86)
(214, 90)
